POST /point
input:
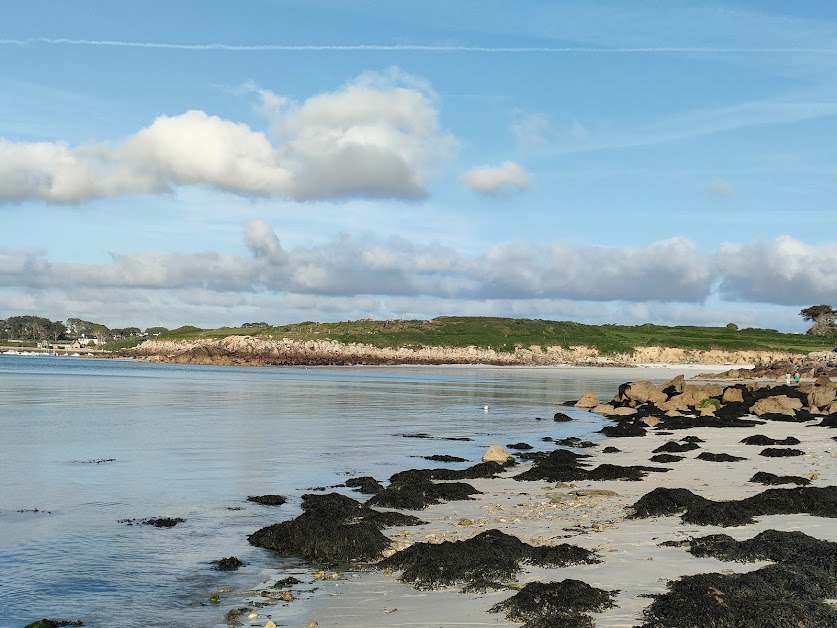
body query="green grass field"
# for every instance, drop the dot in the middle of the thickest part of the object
(505, 334)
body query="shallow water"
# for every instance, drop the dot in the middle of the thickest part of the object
(195, 441)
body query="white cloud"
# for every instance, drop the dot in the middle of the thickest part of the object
(377, 136)
(493, 181)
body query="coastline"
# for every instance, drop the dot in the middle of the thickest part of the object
(545, 513)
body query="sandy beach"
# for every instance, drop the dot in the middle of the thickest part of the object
(590, 514)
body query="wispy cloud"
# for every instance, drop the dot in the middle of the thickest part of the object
(371, 47)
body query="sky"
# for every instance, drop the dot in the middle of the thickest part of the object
(214, 163)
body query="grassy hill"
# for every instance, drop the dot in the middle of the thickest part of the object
(504, 334)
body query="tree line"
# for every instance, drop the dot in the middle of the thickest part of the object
(39, 329)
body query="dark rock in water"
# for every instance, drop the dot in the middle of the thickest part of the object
(611, 450)
(267, 500)
(762, 441)
(666, 458)
(673, 447)
(763, 477)
(719, 457)
(428, 436)
(519, 446)
(157, 522)
(415, 490)
(562, 603)
(777, 452)
(365, 484)
(777, 595)
(560, 417)
(574, 441)
(444, 458)
(562, 465)
(623, 429)
(819, 502)
(53, 623)
(547, 439)
(692, 439)
(332, 529)
(479, 562)
(228, 564)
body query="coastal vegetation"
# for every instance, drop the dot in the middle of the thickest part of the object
(499, 334)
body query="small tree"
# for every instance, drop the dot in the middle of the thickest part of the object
(823, 317)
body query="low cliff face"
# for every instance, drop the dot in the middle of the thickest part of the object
(246, 350)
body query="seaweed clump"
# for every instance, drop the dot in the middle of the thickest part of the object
(779, 452)
(267, 500)
(480, 562)
(777, 595)
(549, 604)
(365, 484)
(414, 489)
(763, 441)
(332, 529)
(816, 501)
(666, 458)
(673, 447)
(444, 458)
(719, 457)
(763, 477)
(566, 466)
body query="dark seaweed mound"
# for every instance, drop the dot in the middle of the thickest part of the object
(480, 562)
(444, 458)
(519, 446)
(574, 441)
(365, 484)
(560, 417)
(228, 564)
(719, 457)
(544, 605)
(673, 447)
(763, 477)
(566, 466)
(719, 420)
(611, 450)
(267, 500)
(415, 490)
(479, 470)
(763, 441)
(829, 421)
(778, 596)
(332, 529)
(692, 439)
(665, 458)
(624, 429)
(820, 502)
(53, 623)
(776, 452)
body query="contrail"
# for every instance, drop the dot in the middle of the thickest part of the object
(403, 47)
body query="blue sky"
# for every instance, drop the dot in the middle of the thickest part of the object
(215, 163)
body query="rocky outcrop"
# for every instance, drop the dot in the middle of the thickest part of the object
(247, 350)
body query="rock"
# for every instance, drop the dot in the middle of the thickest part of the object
(643, 392)
(228, 564)
(650, 421)
(675, 386)
(674, 413)
(779, 404)
(732, 395)
(495, 453)
(822, 395)
(623, 412)
(587, 400)
(707, 411)
(605, 409)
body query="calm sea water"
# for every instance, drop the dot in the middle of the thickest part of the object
(194, 442)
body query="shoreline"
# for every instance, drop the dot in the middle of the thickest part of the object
(542, 513)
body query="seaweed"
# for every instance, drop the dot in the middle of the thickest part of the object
(692, 439)
(444, 458)
(267, 500)
(230, 563)
(763, 441)
(562, 465)
(666, 458)
(574, 441)
(560, 417)
(719, 457)
(776, 452)
(549, 604)
(332, 529)
(414, 490)
(480, 562)
(611, 450)
(816, 501)
(763, 477)
(780, 596)
(365, 484)
(479, 470)
(828, 421)
(719, 420)
(624, 429)
(673, 447)
(519, 446)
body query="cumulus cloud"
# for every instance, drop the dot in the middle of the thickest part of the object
(493, 181)
(377, 136)
(784, 271)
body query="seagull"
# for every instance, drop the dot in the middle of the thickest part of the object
(485, 407)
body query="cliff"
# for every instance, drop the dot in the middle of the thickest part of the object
(246, 350)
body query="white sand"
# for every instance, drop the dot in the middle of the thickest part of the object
(633, 560)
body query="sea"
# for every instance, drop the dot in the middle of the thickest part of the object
(91, 447)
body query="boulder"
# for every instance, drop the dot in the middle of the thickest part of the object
(707, 411)
(732, 395)
(779, 404)
(588, 400)
(605, 409)
(495, 453)
(822, 395)
(650, 421)
(623, 412)
(643, 392)
(675, 386)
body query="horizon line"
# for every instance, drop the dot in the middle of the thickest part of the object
(402, 47)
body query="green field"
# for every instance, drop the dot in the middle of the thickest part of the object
(506, 334)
